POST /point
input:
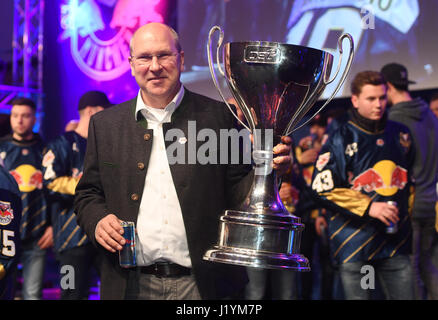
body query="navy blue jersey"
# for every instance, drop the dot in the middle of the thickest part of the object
(62, 167)
(354, 169)
(10, 216)
(23, 161)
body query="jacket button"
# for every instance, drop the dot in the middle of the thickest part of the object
(140, 165)
(134, 197)
(147, 136)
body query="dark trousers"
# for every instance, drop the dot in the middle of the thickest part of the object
(308, 242)
(82, 260)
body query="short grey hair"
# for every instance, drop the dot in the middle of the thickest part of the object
(174, 34)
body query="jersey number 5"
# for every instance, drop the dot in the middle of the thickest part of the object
(8, 245)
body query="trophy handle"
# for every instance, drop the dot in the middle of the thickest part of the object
(212, 71)
(341, 81)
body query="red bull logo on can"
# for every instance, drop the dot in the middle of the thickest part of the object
(385, 178)
(6, 213)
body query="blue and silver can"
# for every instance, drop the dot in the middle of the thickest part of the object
(393, 228)
(127, 257)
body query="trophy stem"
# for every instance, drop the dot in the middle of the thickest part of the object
(262, 233)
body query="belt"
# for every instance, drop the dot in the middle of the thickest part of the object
(166, 270)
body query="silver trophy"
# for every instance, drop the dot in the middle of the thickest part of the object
(275, 86)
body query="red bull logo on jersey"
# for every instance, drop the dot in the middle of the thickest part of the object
(6, 213)
(28, 178)
(100, 44)
(385, 178)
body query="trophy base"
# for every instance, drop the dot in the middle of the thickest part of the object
(259, 240)
(296, 262)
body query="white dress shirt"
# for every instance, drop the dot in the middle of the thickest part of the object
(160, 226)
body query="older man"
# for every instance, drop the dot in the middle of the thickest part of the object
(175, 206)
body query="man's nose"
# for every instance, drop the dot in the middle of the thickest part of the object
(155, 64)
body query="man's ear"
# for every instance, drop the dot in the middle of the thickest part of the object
(131, 64)
(181, 54)
(354, 101)
(390, 88)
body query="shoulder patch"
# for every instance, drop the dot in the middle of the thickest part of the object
(48, 159)
(322, 160)
(405, 140)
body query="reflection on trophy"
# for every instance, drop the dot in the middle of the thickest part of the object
(275, 86)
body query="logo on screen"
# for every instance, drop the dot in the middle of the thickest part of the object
(100, 31)
(262, 54)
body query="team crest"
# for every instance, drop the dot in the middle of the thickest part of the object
(24, 152)
(380, 142)
(100, 31)
(322, 161)
(6, 213)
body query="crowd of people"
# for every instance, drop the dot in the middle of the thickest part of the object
(365, 186)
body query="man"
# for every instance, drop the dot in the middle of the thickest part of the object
(22, 155)
(10, 215)
(175, 207)
(416, 115)
(434, 104)
(62, 168)
(363, 165)
(311, 213)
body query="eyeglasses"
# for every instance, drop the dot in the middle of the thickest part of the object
(162, 58)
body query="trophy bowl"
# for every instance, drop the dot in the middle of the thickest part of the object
(275, 85)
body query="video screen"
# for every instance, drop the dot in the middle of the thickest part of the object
(384, 31)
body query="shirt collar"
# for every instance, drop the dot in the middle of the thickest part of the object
(148, 111)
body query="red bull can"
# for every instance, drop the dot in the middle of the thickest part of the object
(393, 228)
(127, 256)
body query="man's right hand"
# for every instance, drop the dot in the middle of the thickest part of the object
(384, 212)
(109, 232)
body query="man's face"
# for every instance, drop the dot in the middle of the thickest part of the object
(22, 120)
(157, 77)
(434, 107)
(371, 102)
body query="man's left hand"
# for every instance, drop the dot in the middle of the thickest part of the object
(46, 240)
(282, 161)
